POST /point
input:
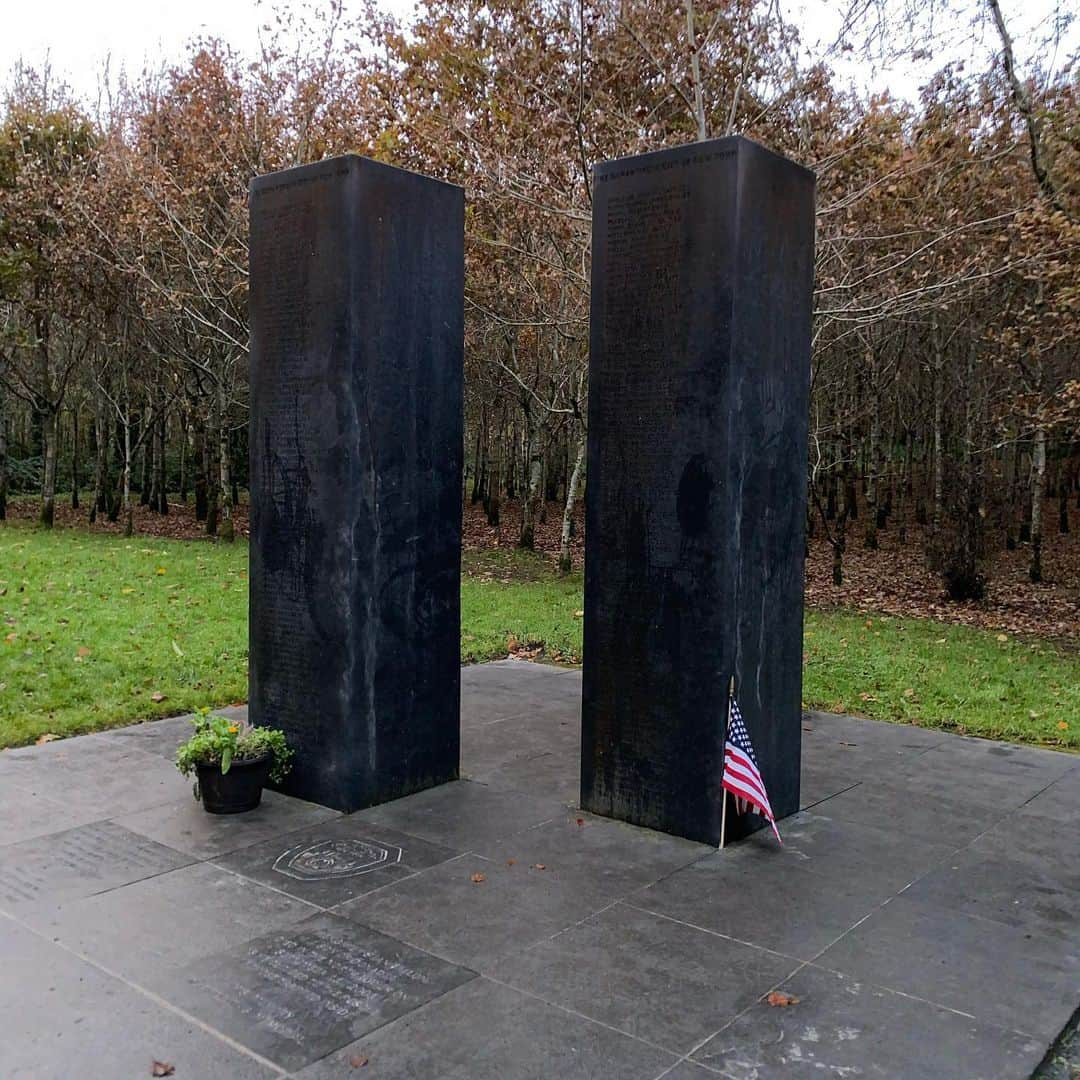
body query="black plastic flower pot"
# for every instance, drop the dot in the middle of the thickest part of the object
(237, 790)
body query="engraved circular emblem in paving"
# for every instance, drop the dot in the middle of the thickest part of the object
(335, 859)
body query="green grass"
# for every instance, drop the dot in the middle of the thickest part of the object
(953, 677)
(511, 594)
(97, 631)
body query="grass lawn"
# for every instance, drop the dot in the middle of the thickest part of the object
(97, 631)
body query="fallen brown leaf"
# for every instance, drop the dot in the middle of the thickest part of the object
(41, 740)
(476, 879)
(539, 866)
(358, 1061)
(162, 1068)
(157, 695)
(779, 1000)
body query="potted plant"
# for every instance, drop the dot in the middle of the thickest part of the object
(232, 761)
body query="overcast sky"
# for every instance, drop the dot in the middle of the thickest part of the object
(77, 36)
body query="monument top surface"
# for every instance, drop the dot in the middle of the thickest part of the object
(687, 153)
(334, 166)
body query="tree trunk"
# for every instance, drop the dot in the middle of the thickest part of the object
(1064, 485)
(534, 476)
(101, 459)
(198, 450)
(145, 472)
(48, 489)
(75, 459)
(129, 523)
(3, 459)
(224, 498)
(873, 483)
(1038, 486)
(233, 481)
(939, 448)
(151, 444)
(851, 498)
(183, 458)
(1011, 468)
(163, 474)
(491, 503)
(478, 464)
(565, 558)
(210, 441)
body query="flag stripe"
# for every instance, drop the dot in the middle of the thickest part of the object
(740, 784)
(738, 755)
(738, 788)
(751, 776)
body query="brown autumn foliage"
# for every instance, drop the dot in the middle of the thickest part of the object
(946, 384)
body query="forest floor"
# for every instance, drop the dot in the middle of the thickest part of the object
(892, 580)
(98, 630)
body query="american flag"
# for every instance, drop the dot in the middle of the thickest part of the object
(741, 775)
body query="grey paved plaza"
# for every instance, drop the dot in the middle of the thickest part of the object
(923, 911)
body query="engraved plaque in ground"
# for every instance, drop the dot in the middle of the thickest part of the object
(356, 441)
(80, 862)
(698, 388)
(336, 861)
(297, 995)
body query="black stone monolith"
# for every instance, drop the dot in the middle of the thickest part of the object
(356, 449)
(703, 262)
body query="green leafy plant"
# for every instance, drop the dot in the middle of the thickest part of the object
(220, 741)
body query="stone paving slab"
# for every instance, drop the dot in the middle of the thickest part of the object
(886, 805)
(449, 913)
(648, 976)
(298, 994)
(65, 1017)
(923, 910)
(184, 825)
(26, 814)
(597, 859)
(1041, 900)
(1001, 974)
(79, 862)
(150, 928)
(486, 1031)
(93, 776)
(336, 861)
(773, 903)
(844, 1027)
(463, 815)
(1060, 802)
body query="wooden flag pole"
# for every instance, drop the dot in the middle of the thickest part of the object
(723, 760)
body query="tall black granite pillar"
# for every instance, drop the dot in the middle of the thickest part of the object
(698, 400)
(356, 449)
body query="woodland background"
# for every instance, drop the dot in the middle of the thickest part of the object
(945, 426)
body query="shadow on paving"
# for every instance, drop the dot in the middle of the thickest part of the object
(923, 911)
